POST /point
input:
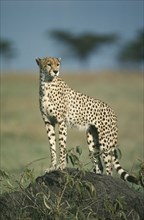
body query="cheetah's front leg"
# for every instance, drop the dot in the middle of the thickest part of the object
(62, 143)
(52, 140)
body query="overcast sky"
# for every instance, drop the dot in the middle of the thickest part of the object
(26, 22)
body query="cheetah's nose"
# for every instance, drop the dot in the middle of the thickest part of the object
(55, 71)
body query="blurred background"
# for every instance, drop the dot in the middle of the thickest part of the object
(101, 44)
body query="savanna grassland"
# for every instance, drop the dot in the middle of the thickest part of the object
(23, 135)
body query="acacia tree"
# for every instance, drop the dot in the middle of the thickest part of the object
(83, 45)
(132, 53)
(7, 50)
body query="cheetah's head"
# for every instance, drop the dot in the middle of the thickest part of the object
(49, 66)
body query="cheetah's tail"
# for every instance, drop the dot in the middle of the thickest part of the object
(123, 174)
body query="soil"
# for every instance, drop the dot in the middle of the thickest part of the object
(107, 197)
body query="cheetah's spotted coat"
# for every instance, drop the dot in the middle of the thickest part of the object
(61, 104)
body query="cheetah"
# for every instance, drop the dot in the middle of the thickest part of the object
(59, 104)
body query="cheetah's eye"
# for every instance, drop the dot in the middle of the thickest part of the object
(58, 64)
(49, 64)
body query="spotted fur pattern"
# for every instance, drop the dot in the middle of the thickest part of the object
(61, 104)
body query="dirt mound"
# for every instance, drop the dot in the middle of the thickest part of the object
(73, 194)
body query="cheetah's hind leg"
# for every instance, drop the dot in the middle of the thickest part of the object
(93, 144)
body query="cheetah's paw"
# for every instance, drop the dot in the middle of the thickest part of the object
(51, 169)
(61, 167)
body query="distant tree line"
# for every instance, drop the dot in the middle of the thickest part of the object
(83, 46)
(7, 50)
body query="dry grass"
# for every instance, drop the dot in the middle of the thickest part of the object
(23, 136)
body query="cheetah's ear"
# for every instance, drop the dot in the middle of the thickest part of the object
(37, 60)
(59, 59)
